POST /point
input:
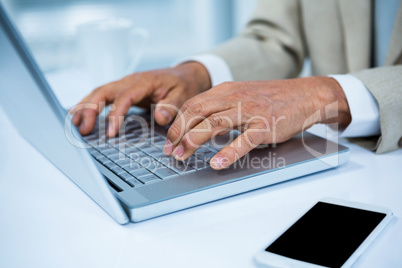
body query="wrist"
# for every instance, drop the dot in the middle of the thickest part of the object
(195, 74)
(333, 103)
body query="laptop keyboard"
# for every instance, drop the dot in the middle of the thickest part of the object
(136, 155)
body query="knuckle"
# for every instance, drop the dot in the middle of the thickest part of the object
(197, 108)
(226, 84)
(240, 96)
(251, 139)
(103, 90)
(251, 104)
(134, 76)
(98, 90)
(88, 112)
(186, 105)
(263, 125)
(149, 75)
(121, 98)
(216, 121)
(102, 93)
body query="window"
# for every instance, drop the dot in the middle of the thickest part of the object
(177, 28)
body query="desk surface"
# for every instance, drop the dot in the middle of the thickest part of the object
(49, 222)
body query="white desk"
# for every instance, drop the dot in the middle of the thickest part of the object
(46, 221)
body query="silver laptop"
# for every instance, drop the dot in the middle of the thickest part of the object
(129, 176)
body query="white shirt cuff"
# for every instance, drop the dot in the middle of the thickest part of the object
(363, 108)
(217, 68)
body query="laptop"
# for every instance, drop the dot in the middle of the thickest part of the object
(129, 176)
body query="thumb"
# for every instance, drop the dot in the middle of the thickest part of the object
(167, 108)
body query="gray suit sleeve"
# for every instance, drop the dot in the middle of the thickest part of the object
(385, 83)
(271, 47)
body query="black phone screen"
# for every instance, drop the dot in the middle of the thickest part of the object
(327, 234)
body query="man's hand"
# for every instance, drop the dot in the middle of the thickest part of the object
(265, 112)
(168, 88)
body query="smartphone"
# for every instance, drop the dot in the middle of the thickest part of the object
(333, 233)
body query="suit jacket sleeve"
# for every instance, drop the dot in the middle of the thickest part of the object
(271, 47)
(385, 85)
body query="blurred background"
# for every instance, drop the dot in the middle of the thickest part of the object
(177, 28)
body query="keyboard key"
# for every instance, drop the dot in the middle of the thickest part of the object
(151, 151)
(126, 176)
(125, 162)
(142, 145)
(165, 173)
(203, 150)
(134, 142)
(96, 154)
(118, 170)
(111, 165)
(109, 151)
(132, 165)
(131, 127)
(198, 164)
(92, 150)
(133, 182)
(160, 155)
(146, 161)
(99, 143)
(165, 160)
(94, 143)
(90, 137)
(137, 172)
(135, 139)
(99, 156)
(129, 144)
(149, 179)
(140, 131)
(179, 166)
(117, 157)
(206, 156)
(154, 166)
(159, 145)
(137, 156)
(130, 150)
(146, 158)
(103, 159)
(112, 140)
(127, 136)
(155, 139)
(162, 142)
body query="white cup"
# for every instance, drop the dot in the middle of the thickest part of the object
(111, 48)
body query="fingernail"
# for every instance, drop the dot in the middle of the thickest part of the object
(217, 162)
(168, 148)
(165, 114)
(110, 129)
(178, 152)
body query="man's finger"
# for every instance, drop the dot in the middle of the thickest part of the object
(121, 105)
(213, 93)
(204, 131)
(91, 110)
(243, 144)
(100, 97)
(194, 113)
(77, 110)
(167, 108)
